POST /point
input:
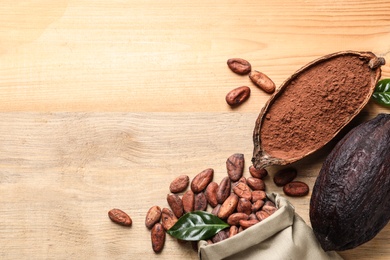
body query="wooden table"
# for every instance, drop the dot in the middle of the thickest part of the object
(103, 103)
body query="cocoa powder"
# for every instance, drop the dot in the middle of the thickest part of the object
(306, 114)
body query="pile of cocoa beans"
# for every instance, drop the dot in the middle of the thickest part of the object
(241, 202)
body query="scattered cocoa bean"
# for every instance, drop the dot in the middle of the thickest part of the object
(201, 180)
(262, 81)
(211, 193)
(228, 207)
(158, 237)
(255, 183)
(241, 180)
(296, 189)
(284, 176)
(216, 210)
(252, 216)
(120, 217)
(243, 191)
(238, 96)
(233, 231)
(176, 204)
(168, 218)
(244, 206)
(257, 205)
(224, 190)
(153, 216)
(235, 166)
(179, 184)
(200, 201)
(258, 195)
(248, 223)
(239, 66)
(269, 209)
(235, 218)
(220, 236)
(258, 173)
(188, 201)
(261, 215)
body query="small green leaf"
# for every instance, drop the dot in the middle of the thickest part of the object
(197, 225)
(382, 92)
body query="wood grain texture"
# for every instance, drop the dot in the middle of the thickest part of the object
(103, 103)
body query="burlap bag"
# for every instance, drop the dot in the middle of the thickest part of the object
(283, 235)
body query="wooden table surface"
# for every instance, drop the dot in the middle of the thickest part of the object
(103, 103)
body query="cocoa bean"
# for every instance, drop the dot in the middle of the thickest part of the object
(258, 173)
(258, 195)
(188, 201)
(168, 218)
(153, 216)
(238, 96)
(242, 179)
(220, 236)
(269, 209)
(248, 223)
(211, 193)
(262, 81)
(257, 205)
(261, 215)
(216, 210)
(200, 201)
(179, 184)
(243, 191)
(233, 231)
(228, 207)
(284, 176)
(201, 180)
(239, 66)
(235, 218)
(120, 217)
(252, 216)
(158, 237)
(176, 204)
(235, 166)
(255, 183)
(244, 206)
(296, 189)
(224, 190)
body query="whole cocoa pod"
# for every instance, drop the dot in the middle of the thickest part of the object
(350, 202)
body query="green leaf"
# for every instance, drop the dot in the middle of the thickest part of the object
(382, 92)
(197, 225)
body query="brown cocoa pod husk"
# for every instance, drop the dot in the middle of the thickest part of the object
(257, 205)
(153, 216)
(284, 176)
(243, 191)
(235, 166)
(220, 236)
(200, 202)
(238, 96)
(262, 81)
(188, 200)
(233, 231)
(248, 223)
(158, 237)
(244, 206)
(228, 207)
(239, 66)
(179, 184)
(211, 193)
(168, 218)
(296, 189)
(255, 183)
(201, 180)
(176, 204)
(235, 218)
(281, 136)
(258, 173)
(120, 217)
(216, 210)
(258, 195)
(261, 215)
(224, 190)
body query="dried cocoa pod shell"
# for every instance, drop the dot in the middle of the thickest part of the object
(350, 200)
(313, 105)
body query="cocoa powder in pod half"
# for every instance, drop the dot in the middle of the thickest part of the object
(313, 105)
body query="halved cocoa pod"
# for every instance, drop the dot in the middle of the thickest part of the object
(313, 105)
(350, 201)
